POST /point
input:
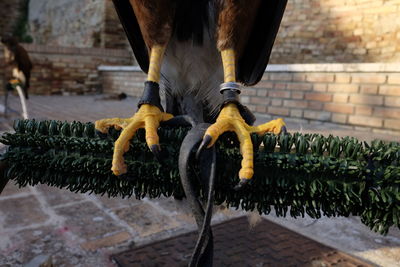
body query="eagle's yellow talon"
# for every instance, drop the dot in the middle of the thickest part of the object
(117, 123)
(118, 167)
(100, 127)
(246, 173)
(230, 120)
(147, 117)
(126, 147)
(274, 126)
(166, 116)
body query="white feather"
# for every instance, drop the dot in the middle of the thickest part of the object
(194, 70)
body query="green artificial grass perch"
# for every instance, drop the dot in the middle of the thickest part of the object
(295, 174)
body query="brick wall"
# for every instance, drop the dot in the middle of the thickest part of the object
(60, 70)
(346, 31)
(360, 96)
(363, 96)
(9, 14)
(126, 79)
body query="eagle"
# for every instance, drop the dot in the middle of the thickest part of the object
(200, 52)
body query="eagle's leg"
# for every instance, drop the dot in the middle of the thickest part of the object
(149, 115)
(231, 119)
(234, 23)
(156, 31)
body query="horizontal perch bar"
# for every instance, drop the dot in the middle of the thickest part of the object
(295, 174)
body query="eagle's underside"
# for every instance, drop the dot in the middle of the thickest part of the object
(190, 76)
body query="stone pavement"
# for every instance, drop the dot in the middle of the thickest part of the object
(41, 223)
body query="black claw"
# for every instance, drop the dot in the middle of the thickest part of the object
(156, 150)
(204, 144)
(241, 184)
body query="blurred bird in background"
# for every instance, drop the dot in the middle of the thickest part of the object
(17, 57)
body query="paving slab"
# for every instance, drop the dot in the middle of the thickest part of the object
(146, 220)
(21, 212)
(13, 189)
(87, 221)
(56, 197)
(114, 203)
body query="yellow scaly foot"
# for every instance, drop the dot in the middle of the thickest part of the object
(147, 117)
(230, 119)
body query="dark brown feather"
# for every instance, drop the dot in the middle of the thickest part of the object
(132, 30)
(255, 55)
(155, 19)
(235, 21)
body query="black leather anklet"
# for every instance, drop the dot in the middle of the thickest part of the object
(230, 92)
(151, 95)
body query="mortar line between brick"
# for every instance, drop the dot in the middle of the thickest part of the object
(15, 196)
(120, 222)
(53, 217)
(155, 206)
(64, 205)
(16, 230)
